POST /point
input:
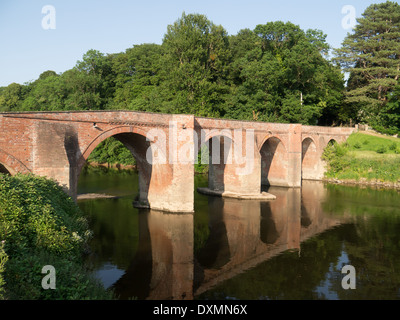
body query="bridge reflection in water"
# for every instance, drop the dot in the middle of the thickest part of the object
(242, 234)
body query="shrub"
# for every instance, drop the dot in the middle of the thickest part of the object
(357, 145)
(42, 225)
(381, 149)
(335, 156)
(393, 146)
(3, 260)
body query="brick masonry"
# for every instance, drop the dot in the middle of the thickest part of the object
(57, 145)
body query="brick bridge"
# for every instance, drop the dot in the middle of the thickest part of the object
(242, 155)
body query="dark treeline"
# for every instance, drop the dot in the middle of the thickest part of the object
(276, 73)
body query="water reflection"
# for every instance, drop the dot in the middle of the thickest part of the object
(238, 236)
(244, 234)
(163, 265)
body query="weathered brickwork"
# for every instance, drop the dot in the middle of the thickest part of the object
(57, 145)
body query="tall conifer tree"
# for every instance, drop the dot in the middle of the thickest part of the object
(371, 54)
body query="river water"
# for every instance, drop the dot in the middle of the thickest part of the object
(294, 247)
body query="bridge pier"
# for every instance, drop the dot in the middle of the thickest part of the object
(234, 168)
(294, 156)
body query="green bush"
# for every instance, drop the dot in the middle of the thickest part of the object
(112, 151)
(335, 156)
(357, 145)
(3, 260)
(381, 149)
(41, 225)
(393, 146)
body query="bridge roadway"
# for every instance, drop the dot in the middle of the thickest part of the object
(243, 155)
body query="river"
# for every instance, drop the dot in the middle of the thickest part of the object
(294, 247)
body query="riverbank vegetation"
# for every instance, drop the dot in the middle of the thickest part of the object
(39, 226)
(365, 158)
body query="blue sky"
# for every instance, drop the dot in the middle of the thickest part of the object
(27, 49)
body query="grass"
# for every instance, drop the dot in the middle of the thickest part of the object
(374, 143)
(365, 156)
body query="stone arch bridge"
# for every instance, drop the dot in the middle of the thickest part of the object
(242, 155)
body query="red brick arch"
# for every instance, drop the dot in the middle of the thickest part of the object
(110, 133)
(107, 134)
(274, 161)
(310, 157)
(12, 164)
(276, 136)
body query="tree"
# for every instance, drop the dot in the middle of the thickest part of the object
(371, 54)
(137, 75)
(48, 93)
(93, 77)
(196, 53)
(12, 96)
(281, 73)
(390, 115)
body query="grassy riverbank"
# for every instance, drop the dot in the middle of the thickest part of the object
(39, 226)
(365, 157)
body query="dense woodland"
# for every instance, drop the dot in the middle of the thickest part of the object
(276, 73)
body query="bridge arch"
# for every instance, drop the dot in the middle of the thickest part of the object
(11, 165)
(310, 158)
(4, 170)
(141, 144)
(219, 145)
(331, 142)
(274, 162)
(113, 132)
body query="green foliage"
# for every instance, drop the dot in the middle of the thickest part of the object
(371, 56)
(280, 72)
(3, 260)
(202, 166)
(369, 142)
(11, 97)
(41, 225)
(112, 151)
(336, 156)
(381, 149)
(375, 159)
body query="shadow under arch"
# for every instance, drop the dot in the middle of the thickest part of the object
(309, 158)
(331, 142)
(4, 170)
(274, 162)
(218, 155)
(137, 142)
